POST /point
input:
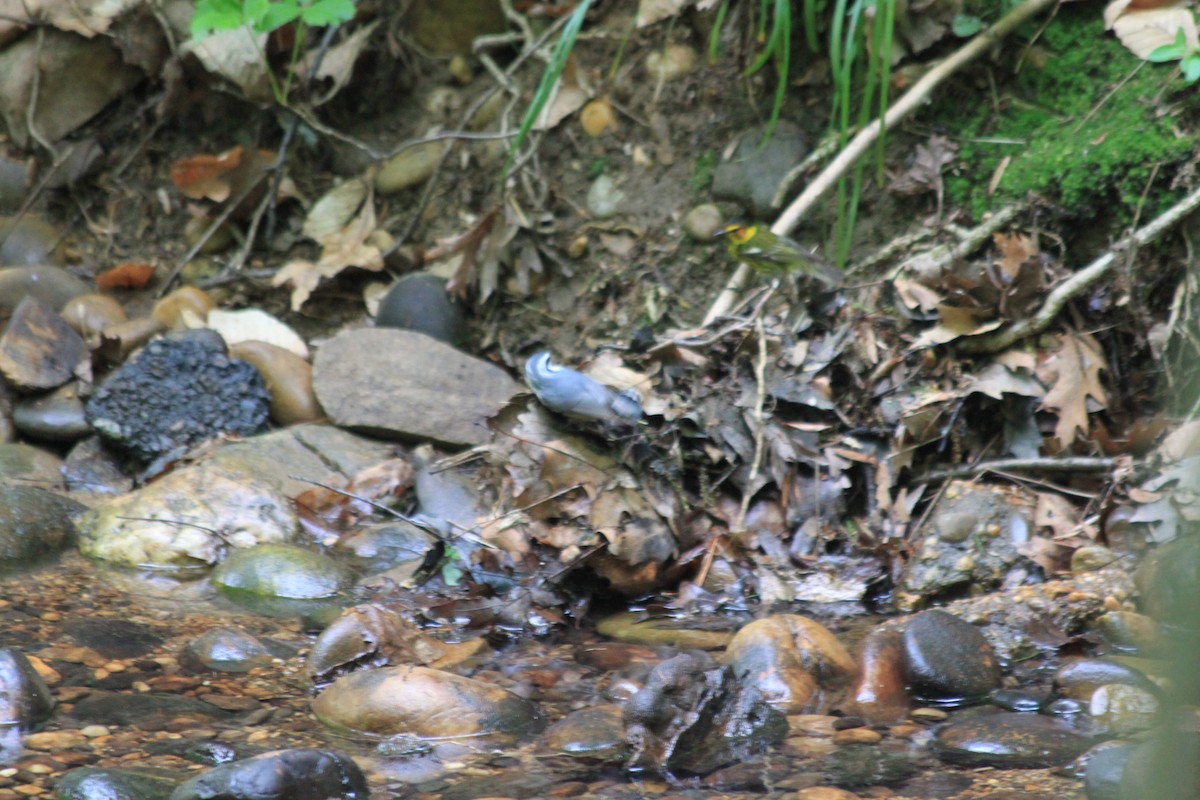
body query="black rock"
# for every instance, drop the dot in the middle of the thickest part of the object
(177, 392)
(418, 302)
(282, 775)
(947, 660)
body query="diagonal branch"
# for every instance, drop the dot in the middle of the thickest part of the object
(909, 102)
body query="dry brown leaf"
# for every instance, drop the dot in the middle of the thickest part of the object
(347, 247)
(917, 296)
(221, 176)
(1015, 249)
(1056, 513)
(1073, 374)
(996, 380)
(925, 174)
(1144, 30)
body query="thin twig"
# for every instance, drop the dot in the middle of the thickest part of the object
(760, 400)
(1067, 464)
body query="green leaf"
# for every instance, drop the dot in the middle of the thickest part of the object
(214, 16)
(965, 25)
(254, 11)
(1191, 67)
(278, 15)
(1170, 52)
(328, 12)
(1166, 52)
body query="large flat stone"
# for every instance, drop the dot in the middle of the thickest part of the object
(405, 385)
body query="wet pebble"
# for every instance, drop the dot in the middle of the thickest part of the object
(866, 765)
(386, 546)
(1130, 631)
(1091, 557)
(288, 378)
(1008, 741)
(25, 699)
(597, 732)
(1078, 679)
(34, 524)
(424, 702)
(647, 629)
(1118, 709)
(113, 638)
(947, 659)
(149, 711)
(788, 657)
(280, 570)
(1018, 701)
(225, 649)
(29, 240)
(54, 417)
(300, 774)
(38, 350)
(88, 314)
(419, 302)
(50, 285)
(879, 691)
(1104, 765)
(132, 783)
(91, 469)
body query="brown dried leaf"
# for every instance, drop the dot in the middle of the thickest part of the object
(1144, 30)
(347, 247)
(1073, 374)
(925, 174)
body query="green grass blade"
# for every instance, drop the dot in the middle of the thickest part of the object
(554, 70)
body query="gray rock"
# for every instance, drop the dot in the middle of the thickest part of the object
(406, 385)
(281, 570)
(50, 285)
(755, 177)
(34, 524)
(29, 240)
(26, 465)
(54, 417)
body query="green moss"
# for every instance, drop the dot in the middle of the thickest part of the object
(702, 174)
(1069, 140)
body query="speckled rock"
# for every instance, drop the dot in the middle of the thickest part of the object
(176, 392)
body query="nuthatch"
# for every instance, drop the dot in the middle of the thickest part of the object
(570, 392)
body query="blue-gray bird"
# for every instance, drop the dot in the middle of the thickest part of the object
(570, 392)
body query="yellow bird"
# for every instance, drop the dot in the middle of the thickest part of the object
(775, 255)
